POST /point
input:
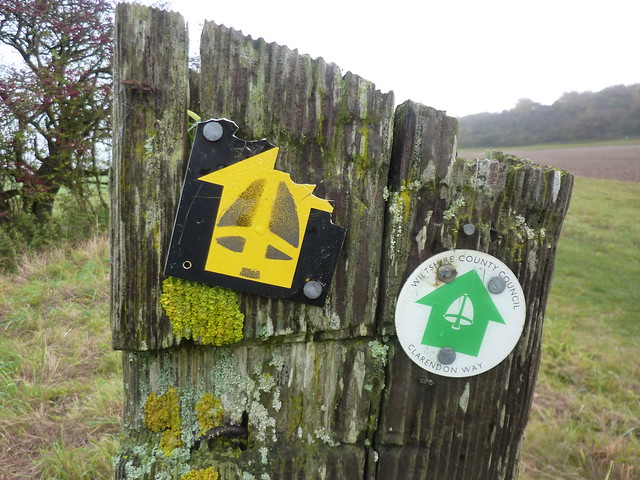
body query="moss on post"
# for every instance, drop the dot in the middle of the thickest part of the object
(210, 412)
(208, 315)
(204, 474)
(149, 143)
(512, 210)
(162, 414)
(301, 391)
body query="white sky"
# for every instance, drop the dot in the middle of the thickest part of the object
(462, 56)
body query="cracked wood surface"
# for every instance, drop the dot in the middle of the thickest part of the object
(328, 391)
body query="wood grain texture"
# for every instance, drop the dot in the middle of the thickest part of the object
(327, 392)
(433, 426)
(149, 143)
(333, 131)
(308, 378)
(309, 404)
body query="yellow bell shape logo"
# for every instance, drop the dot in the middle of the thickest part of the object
(261, 220)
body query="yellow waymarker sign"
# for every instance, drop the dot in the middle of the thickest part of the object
(261, 221)
(247, 226)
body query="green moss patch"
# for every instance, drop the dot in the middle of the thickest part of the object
(210, 412)
(162, 414)
(205, 474)
(209, 315)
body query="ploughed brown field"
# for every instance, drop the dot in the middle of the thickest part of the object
(614, 162)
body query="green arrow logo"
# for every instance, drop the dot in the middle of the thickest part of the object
(460, 314)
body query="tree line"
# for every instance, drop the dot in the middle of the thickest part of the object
(55, 126)
(609, 114)
(55, 106)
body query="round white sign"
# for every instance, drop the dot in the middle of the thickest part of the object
(460, 313)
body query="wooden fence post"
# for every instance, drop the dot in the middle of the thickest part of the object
(432, 426)
(149, 145)
(313, 392)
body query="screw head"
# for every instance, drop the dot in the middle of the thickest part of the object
(312, 289)
(497, 285)
(469, 229)
(212, 131)
(447, 273)
(446, 356)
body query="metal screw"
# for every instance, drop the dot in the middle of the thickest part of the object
(447, 273)
(446, 356)
(312, 289)
(469, 229)
(212, 131)
(497, 285)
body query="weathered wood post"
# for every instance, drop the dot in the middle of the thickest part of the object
(472, 427)
(312, 392)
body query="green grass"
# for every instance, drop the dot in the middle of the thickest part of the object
(60, 380)
(585, 419)
(71, 221)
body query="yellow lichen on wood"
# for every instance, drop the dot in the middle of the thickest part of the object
(210, 412)
(205, 474)
(209, 315)
(162, 414)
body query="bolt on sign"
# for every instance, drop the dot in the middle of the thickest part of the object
(460, 313)
(242, 224)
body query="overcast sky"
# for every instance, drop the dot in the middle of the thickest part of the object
(462, 56)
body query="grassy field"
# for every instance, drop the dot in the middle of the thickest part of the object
(551, 146)
(586, 414)
(60, 382)
(608, 160)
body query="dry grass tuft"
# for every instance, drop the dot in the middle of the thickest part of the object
(59, 415)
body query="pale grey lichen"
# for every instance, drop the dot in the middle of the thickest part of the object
(276, 403)
(379, 350)
(262, 422)
(322, 435)
(334, 320)
(264, 451)
(148, 145)
(454, 209)
(557, 182)
(242, 393)
(277, 360)
(399, 205)
(266, 382)
(524, 230)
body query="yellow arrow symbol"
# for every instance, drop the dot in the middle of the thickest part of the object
(261, 221)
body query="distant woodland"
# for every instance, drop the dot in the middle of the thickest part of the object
(612, 113)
